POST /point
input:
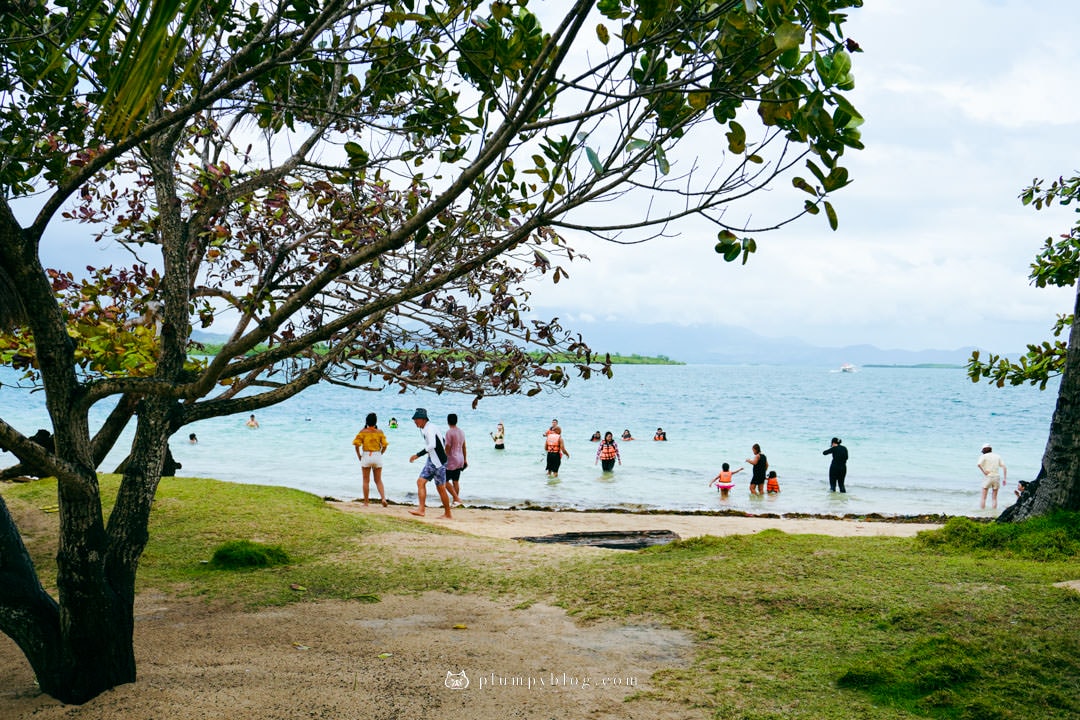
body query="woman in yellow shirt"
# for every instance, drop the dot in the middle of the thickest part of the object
(370, 444)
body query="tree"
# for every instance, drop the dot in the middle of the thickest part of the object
(1058, 484)
(359, 193)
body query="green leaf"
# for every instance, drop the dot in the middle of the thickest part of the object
(358, 156)
(790, 36)
(594, 160)
(831, 214)
(804, 186)
(736, 138)
(602, 33)
(661, 160)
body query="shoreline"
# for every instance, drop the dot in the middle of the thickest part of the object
(513, 523)
(924, 518)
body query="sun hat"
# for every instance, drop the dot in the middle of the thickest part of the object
(420, 414)
(986, 446)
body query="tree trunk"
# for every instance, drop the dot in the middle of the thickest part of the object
(82, 645)
(1060, 488)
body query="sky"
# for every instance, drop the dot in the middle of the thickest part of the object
(965, 102)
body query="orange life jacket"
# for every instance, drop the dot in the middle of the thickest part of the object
(608, 451)
(552, 443)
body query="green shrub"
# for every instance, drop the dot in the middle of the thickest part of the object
(246, 554)
(1049, 538)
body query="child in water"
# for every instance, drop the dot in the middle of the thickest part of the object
(772, 485)
(723, 480)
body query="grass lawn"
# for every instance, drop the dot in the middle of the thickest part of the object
(964, 622)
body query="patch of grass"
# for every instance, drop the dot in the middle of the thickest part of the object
(1048, 538)
(803, 626)
(237, 554)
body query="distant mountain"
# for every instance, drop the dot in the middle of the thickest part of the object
(724, 345)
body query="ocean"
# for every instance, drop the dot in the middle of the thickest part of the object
(914, 436)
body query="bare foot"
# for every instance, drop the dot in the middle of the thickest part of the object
(417, 513)
(384, 502)
(445, 516)
(365, 502)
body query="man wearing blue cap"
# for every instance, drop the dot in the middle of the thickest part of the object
(434, 464)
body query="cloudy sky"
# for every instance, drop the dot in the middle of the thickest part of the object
(966, 102)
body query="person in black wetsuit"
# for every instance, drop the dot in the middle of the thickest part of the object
(757, 475)
(838, 467)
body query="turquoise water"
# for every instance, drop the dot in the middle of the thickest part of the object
(914, 436)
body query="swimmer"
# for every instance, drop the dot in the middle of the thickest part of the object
(772, 483)
(723, 481)
(252, 422)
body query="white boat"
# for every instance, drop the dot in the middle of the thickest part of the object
(848, 368)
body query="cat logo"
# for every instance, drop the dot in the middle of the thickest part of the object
(456, 682)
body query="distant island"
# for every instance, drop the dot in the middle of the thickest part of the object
(922, 366)
(617, 359)
(210, 349)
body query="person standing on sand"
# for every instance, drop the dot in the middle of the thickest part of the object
(456, 456)
(556, 448)
(757, 477)
(994, 474)
(434, 465)
(607, 453)
(838, 466)
(370, 444)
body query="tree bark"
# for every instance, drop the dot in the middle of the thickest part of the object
(1060, 488)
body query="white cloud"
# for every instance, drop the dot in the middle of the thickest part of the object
(965, 103)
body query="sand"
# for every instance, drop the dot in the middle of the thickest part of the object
(434, 656)
(530, 523)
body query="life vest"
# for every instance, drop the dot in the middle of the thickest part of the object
(552, 443)
(773, 485)
(725, 477)
(608, 451)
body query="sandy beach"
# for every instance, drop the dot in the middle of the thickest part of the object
(434, 655)
(509, 524)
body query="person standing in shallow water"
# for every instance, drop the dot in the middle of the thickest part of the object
(838, 466)
(757, 476)
(556, 448)
(994, 474)
(607, 453)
